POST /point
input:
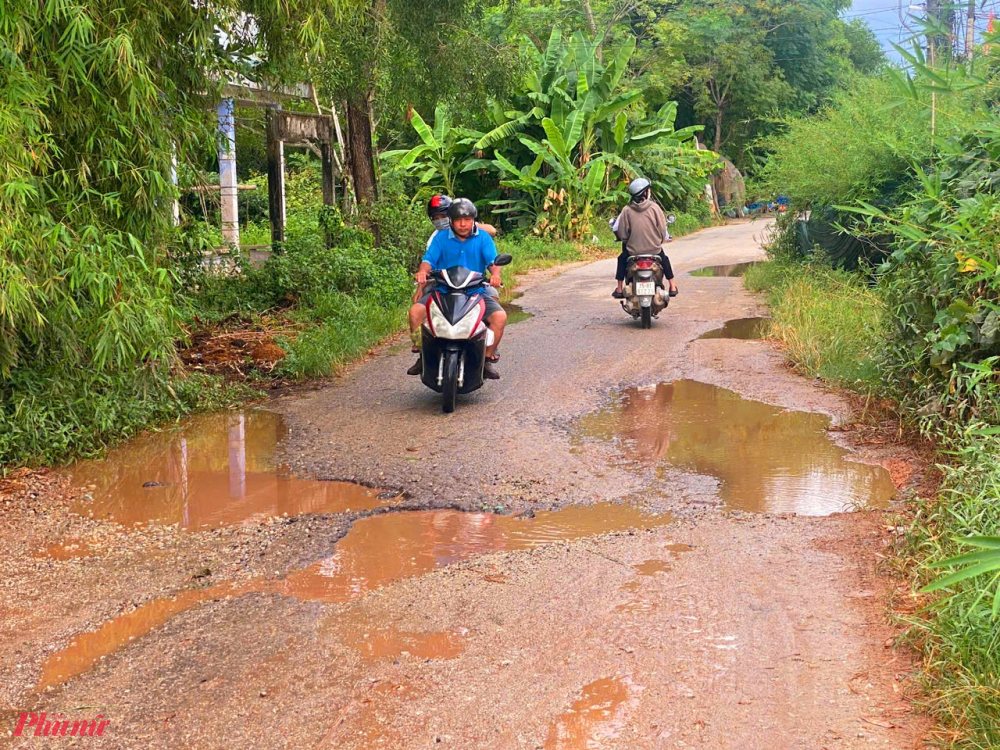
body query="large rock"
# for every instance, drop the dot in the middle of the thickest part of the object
(730, 187)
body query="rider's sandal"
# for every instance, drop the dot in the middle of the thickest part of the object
(494, 359)
(618, 295)
(675, 292)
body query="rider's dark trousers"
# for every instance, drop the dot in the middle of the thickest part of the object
(668, 271)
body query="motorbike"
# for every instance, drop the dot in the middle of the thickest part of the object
(646, 293)
(455, 336)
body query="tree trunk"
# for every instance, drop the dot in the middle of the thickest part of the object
(589, 13)
(362, 156)
(933, 12)
(718, 130)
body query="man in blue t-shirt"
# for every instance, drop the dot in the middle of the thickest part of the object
(462, 245)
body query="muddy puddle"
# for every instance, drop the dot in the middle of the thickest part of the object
(765, 459)
(735, 269)
(744, 329)
(652, 567)
(377, 551)
(386, 548)
(218, 470)
(594, 720)
(516, 313)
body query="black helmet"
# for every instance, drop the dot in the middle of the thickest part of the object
(439, 204)
(462, 208)
(639, 189)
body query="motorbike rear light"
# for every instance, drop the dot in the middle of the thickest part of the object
(645, 265)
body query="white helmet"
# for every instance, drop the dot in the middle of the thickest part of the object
(638, 188)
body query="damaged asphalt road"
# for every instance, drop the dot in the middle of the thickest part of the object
(671, 621)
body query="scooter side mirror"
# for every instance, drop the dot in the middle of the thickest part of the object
(671, 218)
(503, 260)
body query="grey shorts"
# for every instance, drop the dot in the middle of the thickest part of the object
(492, 305)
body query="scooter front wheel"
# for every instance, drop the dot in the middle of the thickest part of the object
(450, 382)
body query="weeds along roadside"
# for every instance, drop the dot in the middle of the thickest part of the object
(837, 326)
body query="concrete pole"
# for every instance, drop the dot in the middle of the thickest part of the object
(227, 174)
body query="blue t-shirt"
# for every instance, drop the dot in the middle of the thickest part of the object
(446, 250)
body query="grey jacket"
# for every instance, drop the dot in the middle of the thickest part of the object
(642, 228)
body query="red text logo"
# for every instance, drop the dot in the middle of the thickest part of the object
(59, 726)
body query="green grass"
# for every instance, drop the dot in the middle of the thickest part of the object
(832, 324)
(64, 415)
(957, 633)
(350, 327)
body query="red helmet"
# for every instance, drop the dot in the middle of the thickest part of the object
(439, 204)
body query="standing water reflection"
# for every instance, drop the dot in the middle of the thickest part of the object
(219, 470)
(766, 459)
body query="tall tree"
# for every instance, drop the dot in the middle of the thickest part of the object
(391, 56)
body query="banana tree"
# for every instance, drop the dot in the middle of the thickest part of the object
(655, 150)
(575, 110)
(567, 81)
(442, 155)
(561, 201)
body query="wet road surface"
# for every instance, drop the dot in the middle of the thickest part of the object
(571, 560)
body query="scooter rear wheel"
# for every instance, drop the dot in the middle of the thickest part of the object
(647, 317)
(450, 383)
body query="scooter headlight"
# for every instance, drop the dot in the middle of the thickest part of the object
(460, 331)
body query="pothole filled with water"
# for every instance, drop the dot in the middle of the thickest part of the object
(744, 329)
(218, 470)
(516, 313)
(386, 548)
(732, 270)
(377, 551)
(596, 718)
(766, 459)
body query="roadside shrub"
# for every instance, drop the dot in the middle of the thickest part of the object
(403, 224)
(942, 288)
(958, 634)
(860, 147)
(833, 325)
(305, 270)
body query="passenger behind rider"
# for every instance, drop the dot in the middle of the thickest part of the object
(437, 212)
(463, 244)
(642, 230)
